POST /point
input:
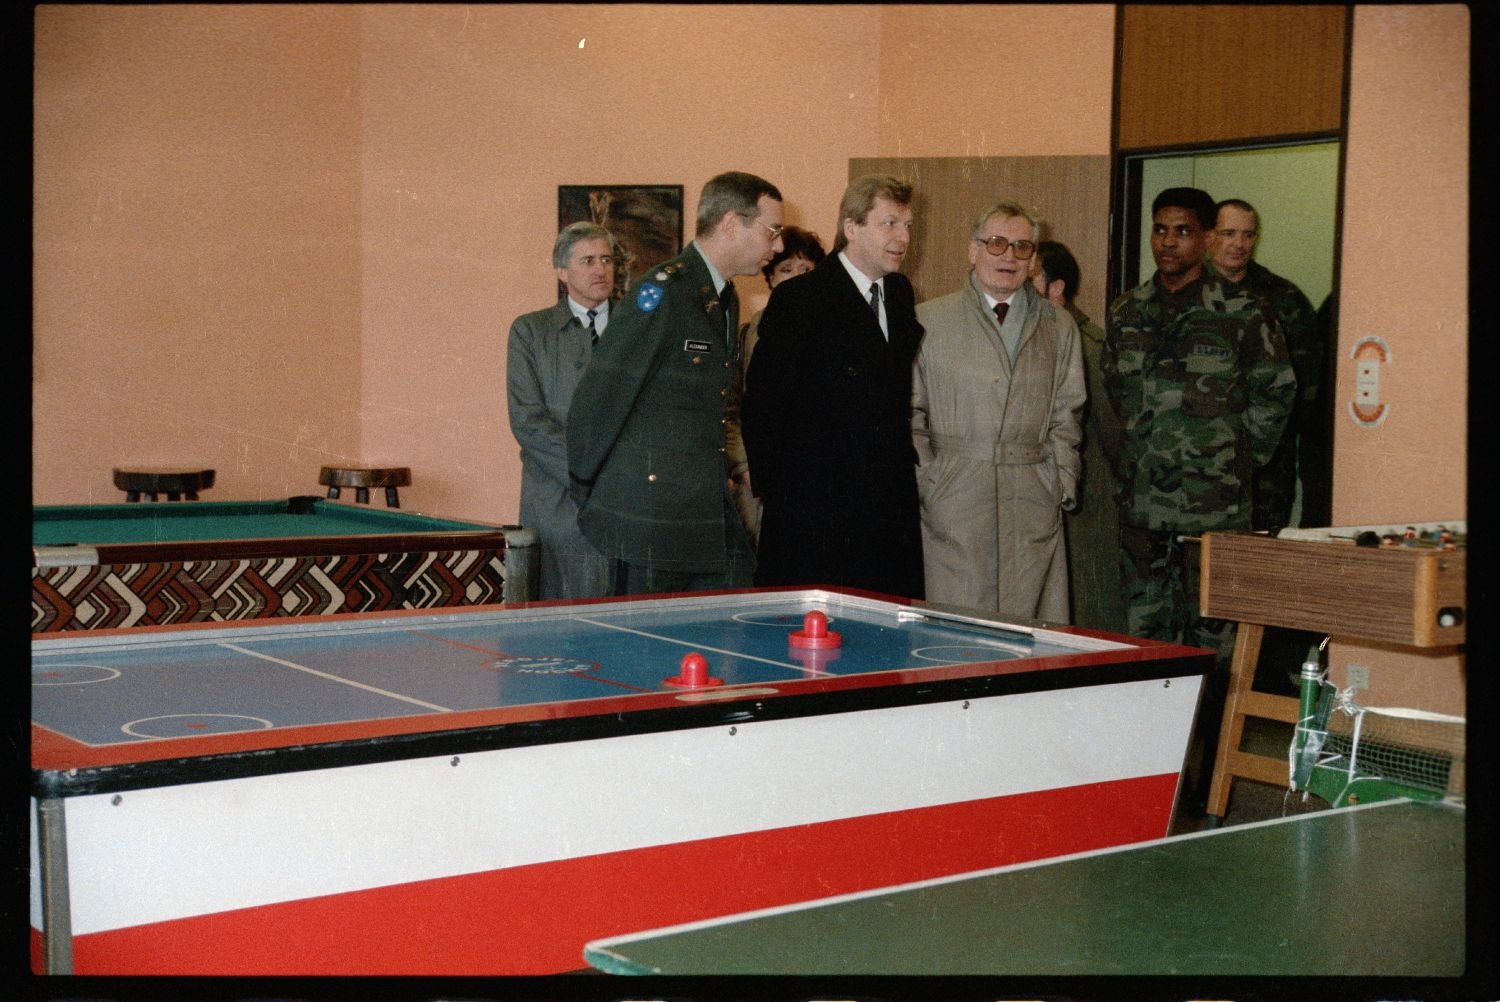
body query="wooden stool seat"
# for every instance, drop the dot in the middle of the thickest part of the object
(363, 478)
(175, 484)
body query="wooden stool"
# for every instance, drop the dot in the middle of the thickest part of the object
(362, 479)
(175, 484)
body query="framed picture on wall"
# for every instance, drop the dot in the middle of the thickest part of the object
(645, 218)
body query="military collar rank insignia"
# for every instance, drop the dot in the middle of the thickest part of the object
(648, 297)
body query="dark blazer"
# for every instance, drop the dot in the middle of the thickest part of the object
(827, 428)
(646, 426)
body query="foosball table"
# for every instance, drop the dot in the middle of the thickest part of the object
(1402, 584)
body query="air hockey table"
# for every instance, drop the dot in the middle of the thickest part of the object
(485, 790)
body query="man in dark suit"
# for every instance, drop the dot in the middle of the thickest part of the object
(645, 432)
(827, 411)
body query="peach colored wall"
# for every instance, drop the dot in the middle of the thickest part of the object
(1406, 173)
(996, 80)
(196, 274)
(325, 218)
(272, 237)
(472, 116)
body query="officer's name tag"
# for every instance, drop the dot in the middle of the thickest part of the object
(701, 347)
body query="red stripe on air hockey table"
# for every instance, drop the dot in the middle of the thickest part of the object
(535, 919)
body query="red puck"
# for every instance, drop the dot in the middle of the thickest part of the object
(693, 673)
(815, 633)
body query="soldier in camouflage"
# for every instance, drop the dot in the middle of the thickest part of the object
(1198, 377)
(1274, 486)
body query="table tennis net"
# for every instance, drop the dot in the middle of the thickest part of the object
(1348, 753)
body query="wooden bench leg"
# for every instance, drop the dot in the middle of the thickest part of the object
(333, 492)
(1247, 640)
(362, 495)
(392, 500)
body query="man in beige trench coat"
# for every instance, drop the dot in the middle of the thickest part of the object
(997, 392)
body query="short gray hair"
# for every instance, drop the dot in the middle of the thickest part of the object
(1008, 210)
(562, 250)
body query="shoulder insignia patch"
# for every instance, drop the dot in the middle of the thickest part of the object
(648, 297)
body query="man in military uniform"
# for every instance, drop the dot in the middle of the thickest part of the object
(1198, 377)
(1093, 526)
(645, 431)
(1232, 248)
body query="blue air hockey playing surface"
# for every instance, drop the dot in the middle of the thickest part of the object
(522, 780)
(228, 681)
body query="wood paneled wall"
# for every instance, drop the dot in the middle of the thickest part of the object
(1070, 195)
(1195, 75)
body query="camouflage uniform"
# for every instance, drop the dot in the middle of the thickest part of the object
(1201, 384)
(1274, 486)
(1094, 526)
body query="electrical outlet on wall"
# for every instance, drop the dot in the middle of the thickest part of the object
(1359, 677)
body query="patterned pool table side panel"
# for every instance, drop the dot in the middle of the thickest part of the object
(122, 595)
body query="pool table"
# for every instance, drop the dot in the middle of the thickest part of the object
(97, 567)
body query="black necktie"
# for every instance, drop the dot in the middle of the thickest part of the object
(875, 298)
(1000, 310)
(730, 303)
(593, 331)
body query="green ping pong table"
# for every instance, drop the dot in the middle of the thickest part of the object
(1376, 890)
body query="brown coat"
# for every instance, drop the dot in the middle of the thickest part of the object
(998, 452)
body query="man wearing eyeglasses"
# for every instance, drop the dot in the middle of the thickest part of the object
(1197, 373)
(645, 434)
(997, 394)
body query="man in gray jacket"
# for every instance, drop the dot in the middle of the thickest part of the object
(997, 392)
(545, 357)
